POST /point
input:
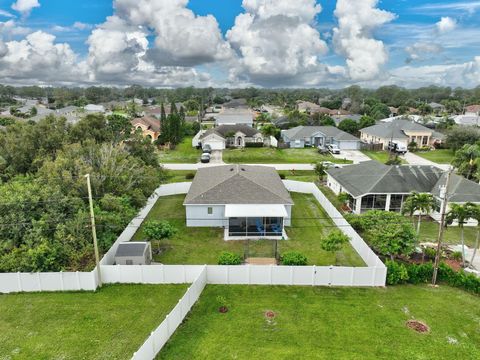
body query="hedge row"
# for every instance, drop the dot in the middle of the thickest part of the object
(398, 273)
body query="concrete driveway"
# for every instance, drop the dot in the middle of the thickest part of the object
(353, 155)
(414, 159)
(216, 157)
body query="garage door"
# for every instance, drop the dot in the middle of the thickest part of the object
(216, 144)
(349, 145)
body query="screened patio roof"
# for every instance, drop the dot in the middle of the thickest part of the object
(255, 210)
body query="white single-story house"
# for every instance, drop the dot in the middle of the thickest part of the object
(93, 108)
(400, 131)
(375, 186)
(133, 253)
(249, 202)
(234, 117)
(224, 136)
(301, 136)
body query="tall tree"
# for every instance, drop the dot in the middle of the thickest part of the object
(461, 214)
(420, 202)
(467, 160)
(476, 216)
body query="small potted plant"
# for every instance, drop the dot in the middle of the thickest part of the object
(222, 304)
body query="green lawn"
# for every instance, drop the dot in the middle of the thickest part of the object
(204, 245)
(299, 175)
(183, 153)
(173, 176)
(381, 156)
(329, 323)
(111, 323)
(440, 156)
(277, 156)
(429, 233)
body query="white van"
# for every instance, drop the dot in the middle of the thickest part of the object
(397, 147)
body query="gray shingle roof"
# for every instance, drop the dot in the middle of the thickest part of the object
(461, 189)
(394, 129)
(302, 132)
(372, 177)
(223, 130)
(131, 249)
(237, 184)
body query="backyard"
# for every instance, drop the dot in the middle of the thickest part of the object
(204, 245)
(275, 322)
(440, 156)
(183, 153)
(111, 323)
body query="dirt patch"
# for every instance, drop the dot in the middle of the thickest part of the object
(269, 314)
(418, 326)
(454, 264)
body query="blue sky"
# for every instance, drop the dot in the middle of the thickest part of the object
(411, 38)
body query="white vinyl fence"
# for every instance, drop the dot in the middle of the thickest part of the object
(158, 338)
(134, 225)
(48, 281)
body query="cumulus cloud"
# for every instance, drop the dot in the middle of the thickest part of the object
(353, 37)
(25, 6)
(181, 37)
(81, 26)
(39, 57)
(446, 24)
(11, 28)
(276, 40)
(421, 51)
(6, 14)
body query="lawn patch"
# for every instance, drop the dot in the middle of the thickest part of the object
(183, 153)
(439, 156)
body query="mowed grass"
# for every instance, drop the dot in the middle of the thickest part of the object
(440, 156)
(329, 323)
(173, 176)
(277, 156)
(183, 153)
(111, 323)
(452, 235)
(198, 245)
(299, 175)
(380, 156)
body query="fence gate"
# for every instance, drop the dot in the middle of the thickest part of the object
(261, 252)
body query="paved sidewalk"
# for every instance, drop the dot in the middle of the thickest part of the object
(276, 166)
(414, 159)
(353, 155)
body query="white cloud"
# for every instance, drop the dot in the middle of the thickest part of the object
(81, 26)
(25, 6)
(420, 51)
(276, 40)
(6, 14)
(353, 37)
(464, 6)
(182, 38)
(38, 57)
(11, 28)
(446, 24)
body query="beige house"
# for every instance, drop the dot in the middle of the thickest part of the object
(401, 131)
(149, 126)
(224, 136)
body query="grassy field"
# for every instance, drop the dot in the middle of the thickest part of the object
(204, 245)
(299, 175)
(380, 156)
(111, 323)
(277, 156)
(173, 176)
(329, 323)
(429, 233)
(440, 156)
(183, 153)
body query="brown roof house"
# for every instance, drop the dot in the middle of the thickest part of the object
(149, 126)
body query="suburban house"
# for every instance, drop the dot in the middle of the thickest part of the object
(231, 116)
(374, 186)
(224, 136)
(301, 136)
(471, 116)
(92, 108)
(309, 107)
(149, 126)
(436, 107)
(71, 113)
(401, 131)
(249, 202)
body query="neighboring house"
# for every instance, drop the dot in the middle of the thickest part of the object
(149, 126)
(249, 202)
(339, 118)
(375, 186)
(42, 112)
(225, 136)
(71, 113)
(301, 136)
(436, 107)
(401, 131)
(472, 109)
(133, 253)
(307, 107)
(92, 108)
(468, 119)
(234, 117)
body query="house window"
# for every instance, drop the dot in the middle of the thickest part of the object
(209, 210)
(425, 140)
(396, 202)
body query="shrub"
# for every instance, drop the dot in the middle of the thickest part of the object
(421, 273)
(294, 258)
(228, 258)
(189, 176)
(158, 230)
(396, 273)
(254, 144)
(395, 161)
(457, 255)
(282, 176)
(431, 252)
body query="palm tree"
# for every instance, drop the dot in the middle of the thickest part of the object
(460, 213)
(421, 202)
(476, 216)
(466, 160)
(408, 207)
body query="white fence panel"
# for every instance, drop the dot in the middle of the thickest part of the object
(9, 283)
(341, 276)
(217, 274)
(260, 274)
(303, 275)
(150, 274)
(364, 276)
(282, 275)
(322, 276)
(238, 275)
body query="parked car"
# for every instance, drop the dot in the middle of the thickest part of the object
(329, 164)
(205, 158)
(333, 149)
(322, 150)
(397, 147)
(207, 149)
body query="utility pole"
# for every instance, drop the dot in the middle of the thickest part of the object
(444, 196)
(94, 232)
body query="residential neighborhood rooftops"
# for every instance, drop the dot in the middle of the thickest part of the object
(372, 177)
(461, 190)
(147, 121)
(237, 184)
(223, 130)
(474, 109)
(301, 132)
(396, 129)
